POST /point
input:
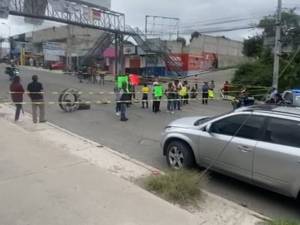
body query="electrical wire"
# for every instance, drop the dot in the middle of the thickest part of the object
(290, 62)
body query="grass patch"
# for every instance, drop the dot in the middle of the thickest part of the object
(284, 222)
(179, 186)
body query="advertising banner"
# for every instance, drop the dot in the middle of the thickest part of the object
(52, 51)
(129, 50)
(96, 14)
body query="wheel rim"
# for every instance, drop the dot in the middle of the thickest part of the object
(176, 157)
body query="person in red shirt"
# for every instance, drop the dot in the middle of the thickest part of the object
(17, 92)
(226, 89)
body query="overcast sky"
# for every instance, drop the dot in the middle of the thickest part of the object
(193, 14)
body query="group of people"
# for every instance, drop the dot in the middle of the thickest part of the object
(92, 74)
(177, 93)
(35, 93)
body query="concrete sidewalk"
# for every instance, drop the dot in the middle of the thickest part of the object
(50, 176)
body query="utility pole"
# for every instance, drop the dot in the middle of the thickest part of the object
(69, 48)
(277, 49)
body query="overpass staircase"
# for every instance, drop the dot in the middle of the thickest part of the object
(173, 63)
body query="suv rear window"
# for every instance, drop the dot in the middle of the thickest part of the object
(283, 132)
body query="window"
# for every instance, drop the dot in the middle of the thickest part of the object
(247, 126)
(283, 132)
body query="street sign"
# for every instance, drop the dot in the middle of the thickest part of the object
(4, 8)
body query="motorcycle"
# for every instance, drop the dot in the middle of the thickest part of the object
(242, 101)
(12, 72)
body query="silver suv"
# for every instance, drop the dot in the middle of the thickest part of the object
(258, 144)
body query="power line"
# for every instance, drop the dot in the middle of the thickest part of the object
(231, 17)
(252, 16)
(218, 23)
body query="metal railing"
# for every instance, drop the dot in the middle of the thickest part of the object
(158, 48)
(69, 12)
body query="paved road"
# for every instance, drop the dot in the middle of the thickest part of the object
(139, 137)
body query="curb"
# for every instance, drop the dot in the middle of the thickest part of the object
(152, 170)
(155, 171)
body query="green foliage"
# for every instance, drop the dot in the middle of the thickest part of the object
(195, 34)
(284, 222)
(179, 186)
(253, 46)
(182, 40)
(259, 73)
(290, 27)
(254, 74)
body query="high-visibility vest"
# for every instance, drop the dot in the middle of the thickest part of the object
(121, 79)
(158, 91)
(183, 91)
(211, 94)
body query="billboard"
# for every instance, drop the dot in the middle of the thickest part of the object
(53, 50)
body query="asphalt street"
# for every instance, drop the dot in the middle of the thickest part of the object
(139, 137)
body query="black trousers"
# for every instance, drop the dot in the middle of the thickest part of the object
(204, 98)
(145, 101)
(18, 111)
(156, 105)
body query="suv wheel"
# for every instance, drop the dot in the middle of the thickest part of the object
(179, 155)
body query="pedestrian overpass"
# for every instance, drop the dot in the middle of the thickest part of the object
(72, 12)
(80, 13)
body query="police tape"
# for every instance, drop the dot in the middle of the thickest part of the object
(133, 92)
(106, 101)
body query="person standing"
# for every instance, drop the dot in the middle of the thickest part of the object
(118, 100)
(212, 85)
(205, 89)
(170, 93)
(36, 95)
(186, 95)
(177, 88)
(145, 92)
(94, 74)
(125, 97)
(31, 63)
(157, 95)
(17, 92)
(102, 77)
(226, 89)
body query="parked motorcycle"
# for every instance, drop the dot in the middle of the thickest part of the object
(242, 101)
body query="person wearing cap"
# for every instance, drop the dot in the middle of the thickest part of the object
(36, 95)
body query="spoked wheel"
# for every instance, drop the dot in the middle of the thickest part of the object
(179, 155)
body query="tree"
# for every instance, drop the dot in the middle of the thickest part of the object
(259, 72)
(290, 35)
(253, 46)
(182, 40)
(195, 34)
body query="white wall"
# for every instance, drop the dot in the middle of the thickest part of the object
(217, 45)
(82, 38)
